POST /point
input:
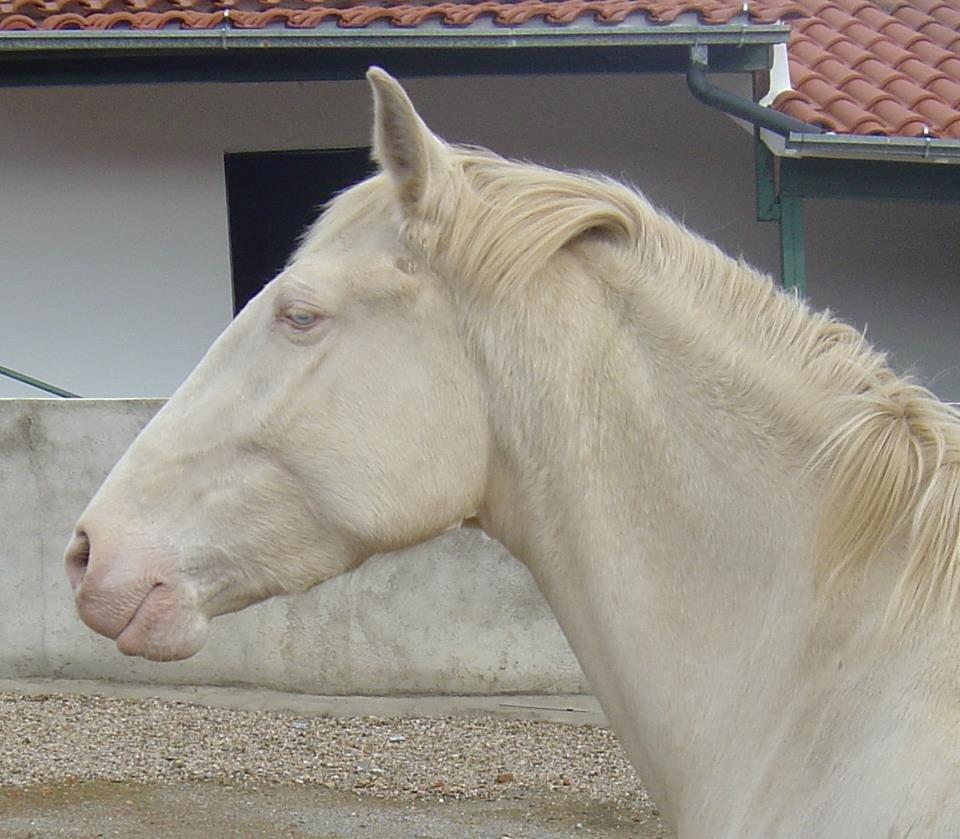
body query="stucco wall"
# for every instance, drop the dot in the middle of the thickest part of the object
(458, 615)
(113, 223)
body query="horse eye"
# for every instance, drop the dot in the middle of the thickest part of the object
(301, 318)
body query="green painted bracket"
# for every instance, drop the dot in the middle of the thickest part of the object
(778, 201)
(783, 183)
(793, 261)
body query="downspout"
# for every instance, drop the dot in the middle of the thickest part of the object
(785, 207)
(739, 106)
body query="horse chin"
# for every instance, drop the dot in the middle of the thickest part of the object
(161, 630)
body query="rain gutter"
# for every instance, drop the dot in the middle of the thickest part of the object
(481, 33)
(789, 137)
(229, 52)
(739, 106)
(848, 146)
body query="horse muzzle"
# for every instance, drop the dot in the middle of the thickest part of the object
(135, 597)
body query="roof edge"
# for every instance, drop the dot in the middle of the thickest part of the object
(226, 36)
(864, 147)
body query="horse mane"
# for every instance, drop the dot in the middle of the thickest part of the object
(887, 450)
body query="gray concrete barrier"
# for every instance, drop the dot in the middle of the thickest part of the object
(457, 615)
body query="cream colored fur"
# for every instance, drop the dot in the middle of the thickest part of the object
(745, 522)
(886, 449)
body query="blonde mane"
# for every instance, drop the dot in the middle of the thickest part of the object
(886, 449)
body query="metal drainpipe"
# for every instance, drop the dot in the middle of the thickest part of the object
(789, 208)
(739, 106)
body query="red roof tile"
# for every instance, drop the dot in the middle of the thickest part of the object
(155, 14)
(888, 67)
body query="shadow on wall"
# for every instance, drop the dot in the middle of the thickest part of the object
(894, 270)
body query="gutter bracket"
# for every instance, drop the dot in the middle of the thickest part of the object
(224, 28)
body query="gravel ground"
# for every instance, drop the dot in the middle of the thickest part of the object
(58, 750)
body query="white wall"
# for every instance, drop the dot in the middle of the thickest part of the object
(113, 224)
(113, 229)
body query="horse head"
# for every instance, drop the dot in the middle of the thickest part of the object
(336, 417)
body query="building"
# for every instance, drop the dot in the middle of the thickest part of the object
(142, 196)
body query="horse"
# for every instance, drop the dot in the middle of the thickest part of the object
(746, 524)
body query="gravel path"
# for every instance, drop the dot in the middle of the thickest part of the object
(69, 745)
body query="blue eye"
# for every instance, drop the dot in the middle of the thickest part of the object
(301, 318)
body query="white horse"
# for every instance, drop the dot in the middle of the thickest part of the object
(746, 524)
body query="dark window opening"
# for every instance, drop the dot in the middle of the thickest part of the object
(272, 197)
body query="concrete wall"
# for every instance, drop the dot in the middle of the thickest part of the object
(113, 224)
(458, 615)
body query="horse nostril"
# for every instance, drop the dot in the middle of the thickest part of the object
(77, 558)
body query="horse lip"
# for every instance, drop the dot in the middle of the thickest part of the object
(164, 630)
(138, 637)
(139, 608)
(101, 609)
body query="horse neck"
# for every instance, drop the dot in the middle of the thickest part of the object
(652, 442)
(670, 530)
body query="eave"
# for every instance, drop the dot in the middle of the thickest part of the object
(324, 53)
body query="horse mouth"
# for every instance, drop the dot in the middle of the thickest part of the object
(162, 629)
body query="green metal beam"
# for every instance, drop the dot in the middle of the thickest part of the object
(765, 163)
(775, 202)
(793, 262)
(783, 183)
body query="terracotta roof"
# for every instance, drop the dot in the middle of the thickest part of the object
(352, 14)
(887, 67)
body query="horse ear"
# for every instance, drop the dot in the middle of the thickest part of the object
(402, 144)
